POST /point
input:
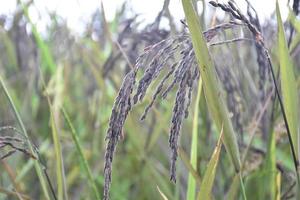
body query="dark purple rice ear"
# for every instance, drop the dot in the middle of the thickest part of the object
(120, 110)
(154, 59)
(232, 5)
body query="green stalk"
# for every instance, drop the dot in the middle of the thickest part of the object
(57, 87)
(81, 155)
(212, 89)
(242, 186)
(60, 175)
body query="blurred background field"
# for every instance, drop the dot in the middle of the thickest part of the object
(50, 60)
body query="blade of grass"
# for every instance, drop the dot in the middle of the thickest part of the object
(58, 156)
(290, 95)
(163, 196)
(56, 87)
(212, 90)
(37, 165)
(278, 186)
(242, 186)
(83, 160)
(210, 173)
(234, 188)
(184, 158)
(288, 84)
(270, 168)
(191, 190)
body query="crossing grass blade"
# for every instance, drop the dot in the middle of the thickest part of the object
(192, 171)
(82, 158)
(234, 188)
(212, 89)
(210, 173)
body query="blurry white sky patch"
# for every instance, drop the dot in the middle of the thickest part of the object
(78, 12)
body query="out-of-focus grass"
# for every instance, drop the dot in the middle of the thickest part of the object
(37, 165)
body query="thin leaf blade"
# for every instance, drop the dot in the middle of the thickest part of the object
(191, 191)
(288, 83)
(210, 173)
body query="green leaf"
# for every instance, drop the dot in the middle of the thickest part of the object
(212, 89)
(234, 188)
(210, 173)
(191, 191)
(60, 175)
(56, 89)
(270, 168)
(288, 83)
(82, 159)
